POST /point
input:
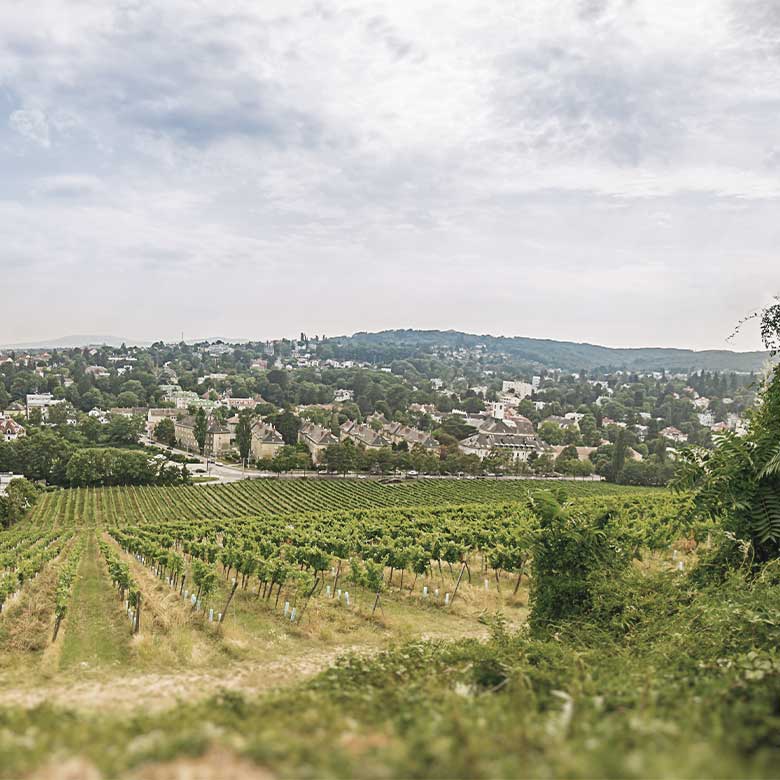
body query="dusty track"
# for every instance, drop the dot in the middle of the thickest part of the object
(156, 692)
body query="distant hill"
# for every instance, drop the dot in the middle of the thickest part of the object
(66, 342)
(566, 355)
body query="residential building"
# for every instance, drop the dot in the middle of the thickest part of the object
(484, 444)
(515, 437)
(396, 433)
(219, 439)
(317, 439)
(518, 388)
(10, 430)
(153, 416)
(5, 480)
(129, 411)
(242, 403)
(98, 372)
(495, 409)
(363, 434)
(674, 434)
(266, 441)
(706, 419)
(41, 401)
(342, 394)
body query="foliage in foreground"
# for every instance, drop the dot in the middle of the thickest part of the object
(689, 686)
(738, 482)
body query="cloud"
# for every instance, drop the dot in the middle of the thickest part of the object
(344, 166)
(32, 124)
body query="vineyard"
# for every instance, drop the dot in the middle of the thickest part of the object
(118, 505)
(189, 612)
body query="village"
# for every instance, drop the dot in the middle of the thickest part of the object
(298, 406)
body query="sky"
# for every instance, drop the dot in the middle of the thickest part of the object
(588, 170)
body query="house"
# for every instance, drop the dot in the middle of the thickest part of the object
(219, 439)
(266, 441)
(218, 436)
(185, 433)
(515, 436)
(99, 415)
(397, 433)
(10, 430)
(153, 416)
(342, 395)
(41, 401)
(510, 425)
(561, 422)
(363, 434)
(584, 453)
(129, 411)
(674, 434)
(707, 419)
(317, 439)
(519, 389)
(98, 372)
(495, 409)
(242, 403)
(5, 480)
(519, 446)
(218, 377)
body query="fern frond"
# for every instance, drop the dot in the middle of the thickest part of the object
(772, 466)
(766, 514)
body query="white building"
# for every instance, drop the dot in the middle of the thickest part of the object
(342, 395)
(518, 388)
(495, 409)
(706, 419)
(5, 480)
(41, 401)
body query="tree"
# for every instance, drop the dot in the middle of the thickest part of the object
(590, 434)
(201, 426)
(244, 434)
(165, 432)
(473, 405)
(127, 399)
(738, 483)
(122, 430)
(288, 426)
(340, 457)
(19, 496)
(550, 433)
(619, 454)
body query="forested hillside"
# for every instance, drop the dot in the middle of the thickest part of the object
(547, 353)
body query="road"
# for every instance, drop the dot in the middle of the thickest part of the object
(227, 473)
(221, 471)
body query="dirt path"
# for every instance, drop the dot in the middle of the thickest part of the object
(96, 633)
(155, 692)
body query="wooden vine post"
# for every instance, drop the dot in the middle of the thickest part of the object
(457, 584)
(230, 598)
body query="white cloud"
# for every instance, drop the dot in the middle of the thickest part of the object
(32, 124)
(513, 167)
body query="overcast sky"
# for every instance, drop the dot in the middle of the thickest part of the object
(590, 170)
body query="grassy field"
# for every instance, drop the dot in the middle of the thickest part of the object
(646, 684)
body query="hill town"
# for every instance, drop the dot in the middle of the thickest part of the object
(166, 412)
